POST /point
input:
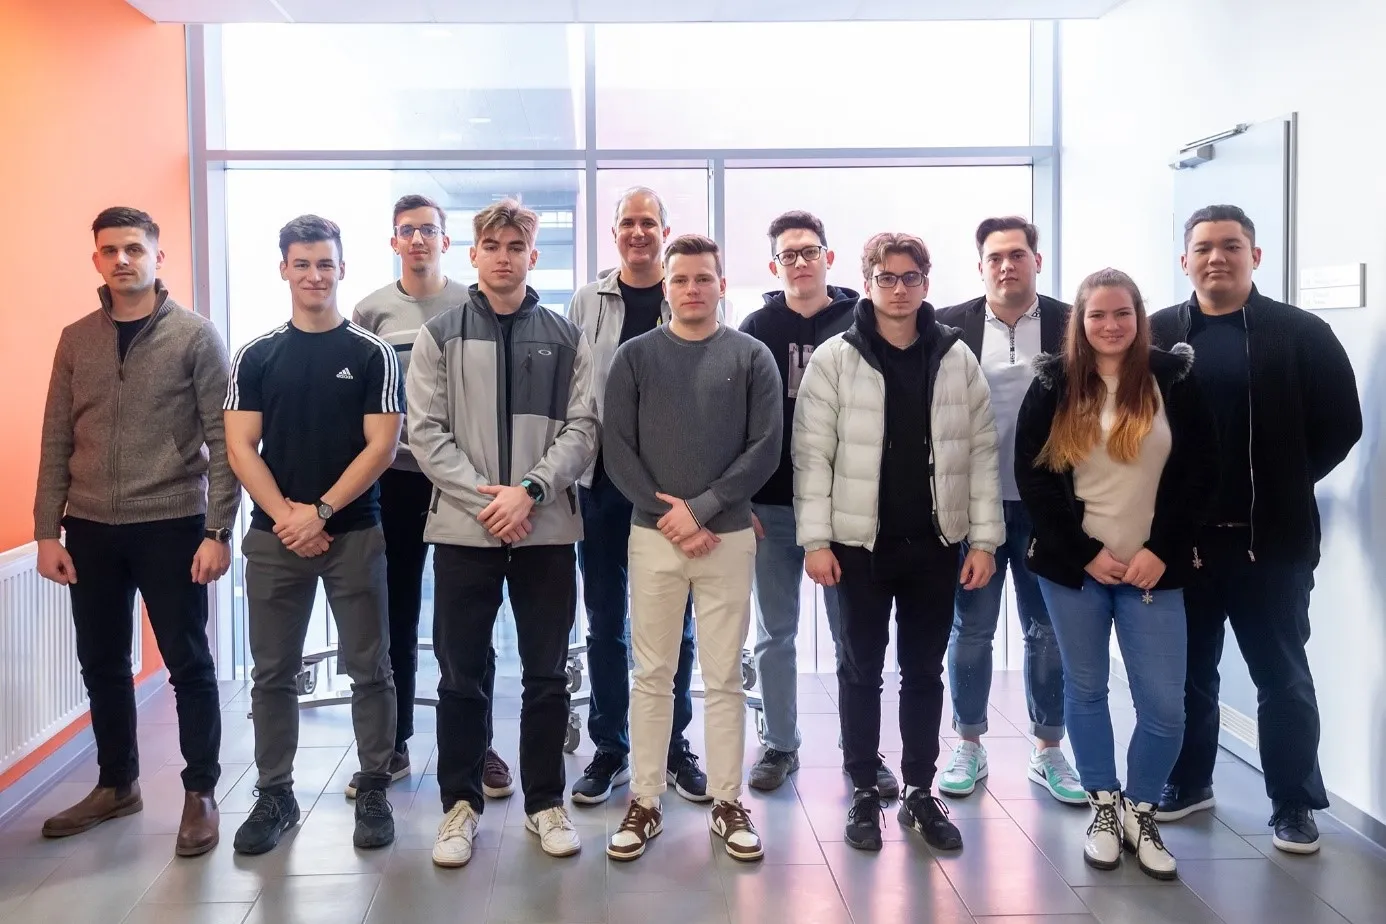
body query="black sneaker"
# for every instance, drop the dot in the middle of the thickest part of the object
(375, 820)
(865, 819)
(688, 778)
(398, 770)
(275, 811)
(1178, 802)
(606, 771)
(886, 783)
(923, 812)
(773, 768)
(1295, 829)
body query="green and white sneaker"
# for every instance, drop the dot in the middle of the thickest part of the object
(1050, 768)
(969, 765)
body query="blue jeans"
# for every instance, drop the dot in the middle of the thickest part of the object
(1154, 642)
(602, 557)
(778, 585)
(975, 613)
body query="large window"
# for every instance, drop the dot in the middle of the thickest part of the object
(924, 127)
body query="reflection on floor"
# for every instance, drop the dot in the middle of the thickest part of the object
(1022, 861)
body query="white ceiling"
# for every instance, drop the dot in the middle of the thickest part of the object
(474, 11)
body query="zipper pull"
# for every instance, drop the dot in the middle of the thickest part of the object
(1197, 562)
(1030, 553)
(1251, 556)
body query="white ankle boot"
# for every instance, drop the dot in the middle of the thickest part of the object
(1142, 836)
(1102, 849)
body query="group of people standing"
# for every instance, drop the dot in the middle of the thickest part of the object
(1152, 474)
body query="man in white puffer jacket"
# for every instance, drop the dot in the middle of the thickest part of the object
(895, 466)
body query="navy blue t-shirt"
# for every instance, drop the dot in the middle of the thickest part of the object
(313, 391)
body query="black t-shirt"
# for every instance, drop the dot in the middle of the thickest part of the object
(313, 391)
(906, 498)
(1221, 368)
(127, 331)
(643, 308)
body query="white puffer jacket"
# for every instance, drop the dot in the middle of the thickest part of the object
(839, 434)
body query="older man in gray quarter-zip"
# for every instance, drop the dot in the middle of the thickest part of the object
(134, 469)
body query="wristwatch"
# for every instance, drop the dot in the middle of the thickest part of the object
(534, 490)
(324, 509)
(217, 535)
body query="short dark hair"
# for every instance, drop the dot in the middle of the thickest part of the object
(415, 201)
(690, 245)
(309, 229)
(888, 242)
(122, 216)
(796, 220)
(1219, 213)
(1007, 223)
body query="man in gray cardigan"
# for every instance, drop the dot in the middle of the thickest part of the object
(693, 428)
(134, 469)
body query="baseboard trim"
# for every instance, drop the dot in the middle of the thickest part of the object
(27, 790)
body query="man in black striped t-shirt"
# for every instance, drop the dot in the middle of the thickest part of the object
(313, 411)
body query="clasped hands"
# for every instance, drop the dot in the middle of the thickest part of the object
(1143, 571)
(681, 528)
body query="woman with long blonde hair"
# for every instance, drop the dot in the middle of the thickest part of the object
(1116, 461)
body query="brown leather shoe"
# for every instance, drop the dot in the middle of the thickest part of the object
(101, 804)
(200, 828)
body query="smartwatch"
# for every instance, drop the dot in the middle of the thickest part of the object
(534, 490)
(324, 509)
(217, 535)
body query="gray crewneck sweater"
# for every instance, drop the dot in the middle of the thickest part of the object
(699, 420)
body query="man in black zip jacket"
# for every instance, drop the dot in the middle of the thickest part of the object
(1285, 400)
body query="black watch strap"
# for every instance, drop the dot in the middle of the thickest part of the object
(217, 535)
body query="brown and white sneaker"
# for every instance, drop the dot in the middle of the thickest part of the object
(732, 823)
(641, 824)
(496, 780)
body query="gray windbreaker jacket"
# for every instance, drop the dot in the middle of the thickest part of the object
(466, 429)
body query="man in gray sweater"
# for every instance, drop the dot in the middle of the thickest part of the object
(693, 427)
(134, 470)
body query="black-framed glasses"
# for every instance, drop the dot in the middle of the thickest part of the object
(406, 232)
(913, 279)
(788, 257)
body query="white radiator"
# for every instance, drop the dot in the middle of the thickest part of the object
(41, 688)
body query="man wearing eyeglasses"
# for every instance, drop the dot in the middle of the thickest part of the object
(895, 466)
(395, 314)
(796, 319)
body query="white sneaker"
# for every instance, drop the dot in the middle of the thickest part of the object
(1051, 769)
(1102, 849)
(556, 833)
(453, 846)
(1142, 837)
(969, 765)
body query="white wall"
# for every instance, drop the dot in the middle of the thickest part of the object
(1156, 74)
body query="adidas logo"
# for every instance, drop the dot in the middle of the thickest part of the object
(345, 374)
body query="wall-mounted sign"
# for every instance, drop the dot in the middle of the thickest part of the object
(1343, 286)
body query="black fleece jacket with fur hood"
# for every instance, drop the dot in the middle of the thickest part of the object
(1059, 548)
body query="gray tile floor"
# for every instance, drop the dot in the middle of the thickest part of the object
(1022, 863)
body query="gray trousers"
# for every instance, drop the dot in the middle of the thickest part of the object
(280, 588)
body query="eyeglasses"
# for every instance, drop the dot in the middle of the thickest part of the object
(911, 279)
(789, 257)
(406, 232)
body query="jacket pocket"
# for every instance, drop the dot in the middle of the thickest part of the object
(541, 378)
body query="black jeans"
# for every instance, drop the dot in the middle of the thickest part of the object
(918, 577)
(1267, 604)
(112, 562)
(404, 500)
(603, 555)
(542, 582)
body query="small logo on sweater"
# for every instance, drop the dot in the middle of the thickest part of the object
(346, 374)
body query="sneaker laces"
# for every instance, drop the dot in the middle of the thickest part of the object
(683, 758)
(1296, 816)
(372, 803)
(926, 806)
(1056, 762)
(1149, 830)
(964, 759)
(776, 757)
(494, 764)
(454, 823)
(555, 819)
(867, 807)
(1105, 821)
(638, 818)
(736, 817)
(266, 807)
(604, 765)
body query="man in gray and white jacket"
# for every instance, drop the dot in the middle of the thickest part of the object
(895, 466)
(502, 421)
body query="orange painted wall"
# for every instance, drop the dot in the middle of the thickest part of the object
(93, 112)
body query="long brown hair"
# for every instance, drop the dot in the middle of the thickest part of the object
(1077, 426)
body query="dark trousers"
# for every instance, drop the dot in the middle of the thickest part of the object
(1267, 604)
(917, 577)
(542, 581)
(603, 556)
(404, 500)
(112, 562)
